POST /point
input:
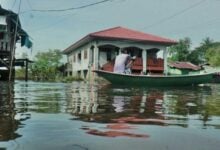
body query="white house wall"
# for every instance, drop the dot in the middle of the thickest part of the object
(79, 65)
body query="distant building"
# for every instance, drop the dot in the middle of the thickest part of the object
(10, 33)
(183, 68)
(97, 51)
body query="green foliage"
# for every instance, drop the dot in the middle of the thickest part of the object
(70, 79)
(197, 56)
(46, 65)
(194, 57)
(213, 54)
(180, 51)
(20, 73)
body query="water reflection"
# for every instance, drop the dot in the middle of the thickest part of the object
(40, 97)
(8, 123)
(191, 106)
(82, 116)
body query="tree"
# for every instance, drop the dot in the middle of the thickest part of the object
(213, 54)
(46, 64)
(197, 56)
(194, 57)
(180, 51)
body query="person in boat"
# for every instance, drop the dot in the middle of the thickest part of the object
(123, 62)
(129, 65)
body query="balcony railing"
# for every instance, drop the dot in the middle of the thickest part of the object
(153, 65)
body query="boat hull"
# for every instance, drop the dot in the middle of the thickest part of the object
(145, 80)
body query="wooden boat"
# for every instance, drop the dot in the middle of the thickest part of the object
(155, 80)
(216, 78)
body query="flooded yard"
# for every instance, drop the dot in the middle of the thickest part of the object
(82, 116)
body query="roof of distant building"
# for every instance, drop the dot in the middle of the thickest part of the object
(13, 18)
(184, 65)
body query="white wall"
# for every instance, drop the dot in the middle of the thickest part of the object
(80, 63)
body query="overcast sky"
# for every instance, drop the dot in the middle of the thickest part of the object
(172, 19)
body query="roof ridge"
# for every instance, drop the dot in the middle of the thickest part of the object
(157, 36)
(104, 30)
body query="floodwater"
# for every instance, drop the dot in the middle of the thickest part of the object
(82, 116)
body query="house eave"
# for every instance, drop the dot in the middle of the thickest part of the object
(77, 44)
(90, 37)
(135, 40)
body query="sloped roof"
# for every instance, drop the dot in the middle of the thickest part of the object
(184, 65)
(124, 33)
(12, 17)
(121, 33)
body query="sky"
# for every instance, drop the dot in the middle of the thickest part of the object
(174, 19)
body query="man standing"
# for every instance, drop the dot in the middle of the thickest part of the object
(121, 62)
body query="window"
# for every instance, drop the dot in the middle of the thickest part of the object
(79, 57)
(1, 35)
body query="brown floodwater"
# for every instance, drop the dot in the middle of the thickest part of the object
(83, 116)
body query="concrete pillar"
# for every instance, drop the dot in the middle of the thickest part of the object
(165, 61)
(96, 57)
(119, 51)
(144, 56)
